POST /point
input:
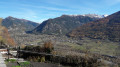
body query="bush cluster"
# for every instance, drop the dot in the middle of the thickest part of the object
(47, 48)
(76, 61)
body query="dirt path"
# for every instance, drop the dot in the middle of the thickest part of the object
(2, 63)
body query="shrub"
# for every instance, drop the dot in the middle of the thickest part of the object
(75, 61)
(48, 47)
(42, 59)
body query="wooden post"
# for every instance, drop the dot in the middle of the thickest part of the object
(8, 50)
(18, 51)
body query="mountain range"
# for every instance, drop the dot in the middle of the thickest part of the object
(63, 24)
(19, 25)
(105, 28)
(80, 26)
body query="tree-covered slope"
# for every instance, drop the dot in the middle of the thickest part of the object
(106, 28)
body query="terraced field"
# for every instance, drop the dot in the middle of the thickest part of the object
(63, 43)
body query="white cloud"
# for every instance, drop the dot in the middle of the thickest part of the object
(44, 7)
(41, 20)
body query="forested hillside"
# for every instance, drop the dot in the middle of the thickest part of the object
(106, 28)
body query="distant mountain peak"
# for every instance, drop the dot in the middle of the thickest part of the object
(74, 15)
(95, 15)
(13, 18)
(9, 17)
(13, 23)
(87, 15)
(105, 15)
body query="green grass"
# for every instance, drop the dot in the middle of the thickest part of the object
(25, 63)
(16, 66)
(10, 60)
(95, 46)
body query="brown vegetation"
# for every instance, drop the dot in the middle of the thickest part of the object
(106, 28)
(5, 37)
(47, 48)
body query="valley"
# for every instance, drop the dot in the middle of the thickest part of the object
(82, 40)
(69, 44)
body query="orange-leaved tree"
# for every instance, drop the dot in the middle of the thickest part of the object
(4, 35)
(48, 47)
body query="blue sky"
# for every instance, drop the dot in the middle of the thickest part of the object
(40, 10)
